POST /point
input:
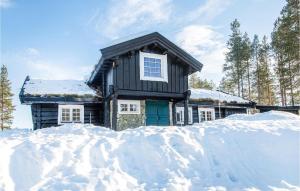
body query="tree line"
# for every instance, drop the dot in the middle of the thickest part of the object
(265, 72)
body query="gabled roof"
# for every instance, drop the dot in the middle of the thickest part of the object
(138, 43)
(52, 91)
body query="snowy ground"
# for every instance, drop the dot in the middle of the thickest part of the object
(259, 152)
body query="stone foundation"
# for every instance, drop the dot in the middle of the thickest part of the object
(126, 121)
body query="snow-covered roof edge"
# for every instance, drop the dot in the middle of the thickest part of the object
(53, 91)
(204, 94)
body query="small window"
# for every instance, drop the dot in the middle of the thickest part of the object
(153, 67)
(129, 106)
(180, 115)
(206, 114)
(70, 114)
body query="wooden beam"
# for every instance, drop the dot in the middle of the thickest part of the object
(114, 112)
(186, 107)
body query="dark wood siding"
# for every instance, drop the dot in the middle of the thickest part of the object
(46, 115)
(128, 76)
(195, 114)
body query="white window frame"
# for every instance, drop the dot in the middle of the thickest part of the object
(128, 102)
(212, 110)
(71, 107)
(163, 67)
(181, 111)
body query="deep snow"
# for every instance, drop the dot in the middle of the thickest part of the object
(259, 152)
(57, 87)
(204, 94)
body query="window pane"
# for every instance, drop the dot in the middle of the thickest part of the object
(124, 107)
(76, 115)
(208, 115)
(65, 115)
(202, 115)
(133, 107)
(152, 67)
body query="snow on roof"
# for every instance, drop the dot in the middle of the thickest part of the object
(197, 94)
(57, 87)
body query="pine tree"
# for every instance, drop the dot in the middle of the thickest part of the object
(234, 67)
(266, 90)
(246, 52)
(6, 106)
(255, 81)
(286, 46)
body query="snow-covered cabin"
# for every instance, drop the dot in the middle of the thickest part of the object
(54, 102)
(137, 82)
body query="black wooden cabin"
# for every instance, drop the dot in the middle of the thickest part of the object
(122, 74)
(137, 82)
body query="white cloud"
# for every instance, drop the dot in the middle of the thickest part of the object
(209, 10)
(44, 68)
(137, 14)
(5, 3)
(207, 45)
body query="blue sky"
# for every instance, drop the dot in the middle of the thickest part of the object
(54, 39)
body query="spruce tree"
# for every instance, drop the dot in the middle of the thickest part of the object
(6, 105)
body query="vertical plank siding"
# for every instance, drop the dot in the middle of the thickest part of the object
(128, 76)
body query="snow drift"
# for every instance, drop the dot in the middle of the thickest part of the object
(259, 152)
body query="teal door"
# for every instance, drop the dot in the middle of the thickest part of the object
(157, 113)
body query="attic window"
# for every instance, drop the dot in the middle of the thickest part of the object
(153, 67)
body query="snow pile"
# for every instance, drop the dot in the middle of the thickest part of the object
(227, 154)
(57, 87)
(203, 94)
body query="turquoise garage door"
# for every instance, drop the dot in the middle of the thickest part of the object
(157, 113)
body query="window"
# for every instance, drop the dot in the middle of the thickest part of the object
(129, 106)
(153, 67)
(70, 114)
(180, 115)
(206, 114)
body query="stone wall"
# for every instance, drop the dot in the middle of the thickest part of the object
(126, 121)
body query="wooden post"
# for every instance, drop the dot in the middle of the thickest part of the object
(114, 112)
(174, 112)
(186, 107)
(106, 113)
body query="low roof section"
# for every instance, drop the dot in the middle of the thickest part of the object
(216, 96)
(57, 91)
(120, 47)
